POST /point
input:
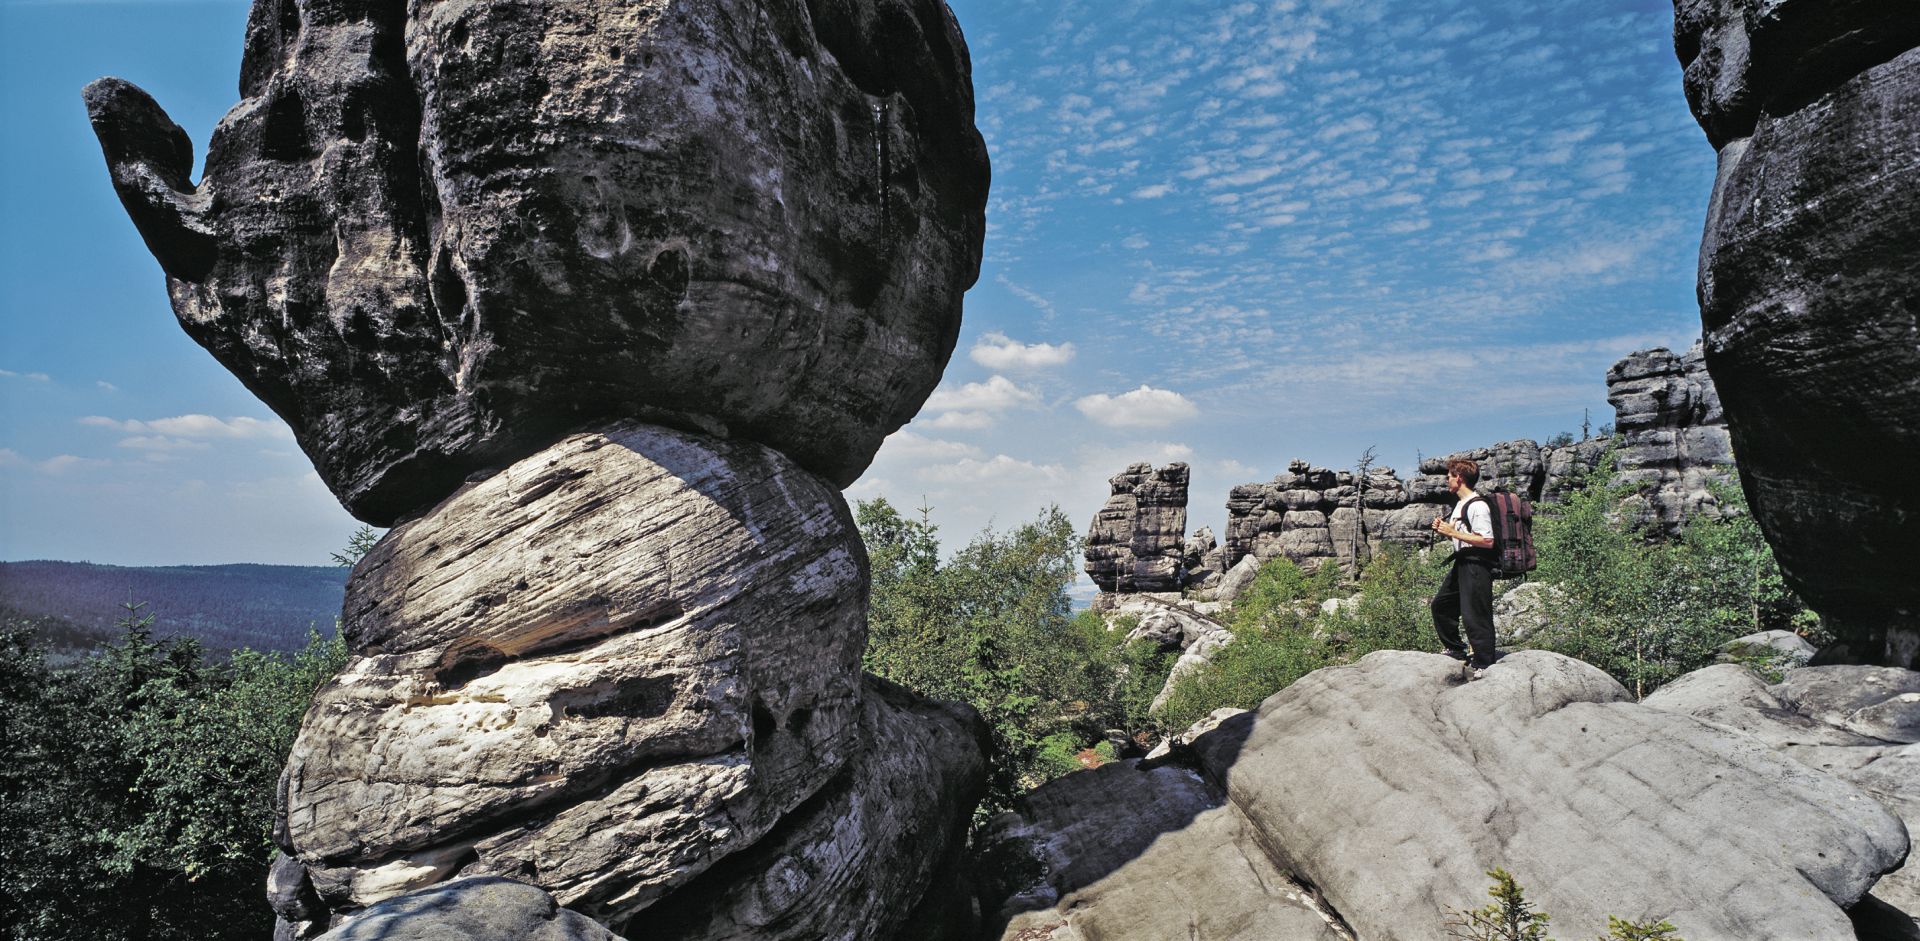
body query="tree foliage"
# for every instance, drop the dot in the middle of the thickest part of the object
(1510, 917)
(136, 788)
(992, 627)
(1648, 610)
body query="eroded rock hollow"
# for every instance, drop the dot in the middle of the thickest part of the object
(601, 304)
(1810, 292)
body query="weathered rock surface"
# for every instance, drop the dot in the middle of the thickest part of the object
(436, 237)
(1858, 723)
(1391, 786)
(608, 671)
(1671, 440)
(1809, 287)
(1782, 649)
(1674, 443)
(892, 827)
(1137, 541)
(1164, 857)
(481, 908)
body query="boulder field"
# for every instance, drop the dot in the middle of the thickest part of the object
(1365, 801)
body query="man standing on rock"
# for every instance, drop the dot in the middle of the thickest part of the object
(1467, 592)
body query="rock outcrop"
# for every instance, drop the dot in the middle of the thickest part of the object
(480, 908)
(434, 238)
(602, 305)
(1388, 786)
(1674, 442)
(1137, 541)
(1670, 440)
(1809, 287)
(1859, 723)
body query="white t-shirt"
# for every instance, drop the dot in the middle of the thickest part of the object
(1479, 519)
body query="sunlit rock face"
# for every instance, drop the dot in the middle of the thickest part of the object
(1810, 292)
(434, 237)
(598, 671)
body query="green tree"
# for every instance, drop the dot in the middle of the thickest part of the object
(992, 627)
(136, 788)
(1648, 610)
(1509, 917)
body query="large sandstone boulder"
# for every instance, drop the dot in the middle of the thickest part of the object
(481, 908)
(1137, 541)
(1138, 851)
(1391, 785)
(890, 829)
(598, 671)
(615, 671)
(1673, 437)
(1809, 283)
(1859, 723)
(435, 237)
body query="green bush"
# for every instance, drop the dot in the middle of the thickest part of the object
(1645, 610)
(1510, 917)
(992, 627)
(136, 788)
(1274, 643)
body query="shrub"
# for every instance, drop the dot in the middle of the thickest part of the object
(1510, 917)
(136, 788)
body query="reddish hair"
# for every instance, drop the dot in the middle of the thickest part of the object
(1469, 471)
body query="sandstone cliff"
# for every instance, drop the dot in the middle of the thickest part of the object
(1809, 286)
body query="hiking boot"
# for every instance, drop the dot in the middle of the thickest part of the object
(1476, 673)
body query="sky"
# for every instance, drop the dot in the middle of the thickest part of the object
(1229, 234)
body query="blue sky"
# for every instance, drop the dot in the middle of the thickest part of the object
(1232, 234)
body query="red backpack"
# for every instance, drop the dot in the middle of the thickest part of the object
(1512, 533)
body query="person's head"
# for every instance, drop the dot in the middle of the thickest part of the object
(1466, 472)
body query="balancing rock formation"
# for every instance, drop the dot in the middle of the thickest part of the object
(1810, 289)
(434, 238)
(602, 305)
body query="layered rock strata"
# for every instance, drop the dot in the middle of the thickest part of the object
(1138, 539)
(1809, 291)
(1670, 440)
(1859, 723)
(434, 237)
(602, 305)
(1370, 798)
(625, 669)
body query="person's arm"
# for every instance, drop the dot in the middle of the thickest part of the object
(1469, 537)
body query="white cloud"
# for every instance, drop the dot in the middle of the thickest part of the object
(63, 463)
(905, 444)
(195, 426)
(1155, 191)
(1145, 407)
(30, 376)
(998, 351)
(162, 443)
(958, 421)
(106, 386)
(994, 395)
(1000, 469)
(10, 457)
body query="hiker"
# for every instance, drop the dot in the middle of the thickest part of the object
(1467, 593)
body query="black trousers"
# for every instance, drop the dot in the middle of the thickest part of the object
(1467, 594)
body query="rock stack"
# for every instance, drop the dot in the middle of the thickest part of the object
(1137, 542)
(1809, 288)
(1670, 439)
(600, 305)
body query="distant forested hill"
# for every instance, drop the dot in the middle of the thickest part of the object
(266, 607)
